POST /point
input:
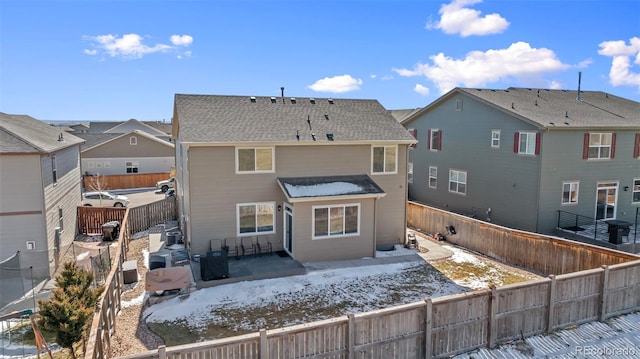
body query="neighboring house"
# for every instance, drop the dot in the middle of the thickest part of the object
(135, 152)
(40, 189)
(324, 179)
(518, 156)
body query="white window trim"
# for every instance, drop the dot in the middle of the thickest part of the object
(528, 135)
(633, 189)
(410, 172)
(577, 190)
(493, 132)
(429, 177)
(273, 160)
(54, 169)
(238, 205)
(609, 146)
(329, 236)
(384, 172)
(432, 146)
(134, 164)
(133, 140)
(466, 183)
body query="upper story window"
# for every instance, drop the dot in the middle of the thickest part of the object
(459, 104)
(132, 166)
(410, 172)
(340, 220)
(433, 177)
(133, 140)
(495, 138)
(570, 192)
(526, 143)
(384, 159)
(255, 160)
(636, 191)
(60, 219)
(434, 141)
(458, 181)
(256, 218)
(599, 145)
(54, 169)
(414, 133)
(636, 147)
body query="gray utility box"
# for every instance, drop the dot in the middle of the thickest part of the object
(130, 271)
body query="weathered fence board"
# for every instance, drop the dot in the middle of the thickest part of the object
(521, 309)
(126, 181)
(91, 219)
(577, 298)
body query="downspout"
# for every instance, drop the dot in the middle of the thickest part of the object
(375, 225)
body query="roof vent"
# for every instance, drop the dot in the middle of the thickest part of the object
(326, 117)
(330, 101)
(252, 99)
(273, 99)
(313, 135)
(293, 100)
(566, 114)
(566, 123)
(330, 136)
(313, 101)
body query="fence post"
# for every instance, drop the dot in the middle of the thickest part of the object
(264, 349)
(428, 328)
(162, 352)
(603, 293)
(552, 303)
(351, 340)
(493, 308)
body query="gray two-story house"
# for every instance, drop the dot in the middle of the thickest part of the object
(520, 157)
(323, 179)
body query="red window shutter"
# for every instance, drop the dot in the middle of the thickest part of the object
(537, 143)
(516, 142)
(439, 140)
(429, 140)
(636, 148)
(613, 145)
(414, 133)
(585, 147)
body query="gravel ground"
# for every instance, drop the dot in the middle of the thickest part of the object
(132, 334)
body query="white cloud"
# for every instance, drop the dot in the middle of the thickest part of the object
(456, 18)
(478, 68)
(386, 78)
(181, 40)
(621, 73)
(584, 63)
(555, 85)
(373, 77)
(337, 84)
(421, 89)
(131, 46)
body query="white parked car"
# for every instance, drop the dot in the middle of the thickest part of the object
(104, 199)
(166, 184)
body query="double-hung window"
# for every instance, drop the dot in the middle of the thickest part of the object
(255, 160)
(339, 220)
(434, 141)
(54, 169)
(495, 138)
(384, 159)
(433, 177)
(256, 218)
(599, 145)
(526, 143)
(570, 192)
(635, 198)
(132, 166)
(458, 181)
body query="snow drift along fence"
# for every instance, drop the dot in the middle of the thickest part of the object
(440, 327)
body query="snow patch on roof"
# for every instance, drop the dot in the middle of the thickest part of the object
(323, 189)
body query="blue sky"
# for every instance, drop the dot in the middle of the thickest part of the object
(116, 60)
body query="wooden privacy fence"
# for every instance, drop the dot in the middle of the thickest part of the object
(536, 252)
(141, 218)
(104, 318)
(133, 180)
(440, 327)
(91, 219)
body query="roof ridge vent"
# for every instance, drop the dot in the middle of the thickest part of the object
(273, 99)
(312, 100)
(252, 99)
(293, 100)
(331, 102)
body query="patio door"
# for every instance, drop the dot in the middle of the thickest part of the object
(606, 197)
(288, 228)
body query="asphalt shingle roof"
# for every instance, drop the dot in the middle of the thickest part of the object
(25, 134)
(233, 119)
(560, 108)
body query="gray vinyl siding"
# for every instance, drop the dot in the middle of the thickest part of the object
(562, 161)
(120, 147)
(215, 189)
(497, 178)
(118, 166)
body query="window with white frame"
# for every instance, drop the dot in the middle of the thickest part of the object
(434, 141)
(599, 146)
(495, 138)
(132, 166)
(133, 140)
(384, 159)
(339, 220)
(255, 160)
(54, 169)
(458, 181)
(433, 177)
(570, 192)
(256, 218)
(60, 219)
(635, 198)
(526, 143)
(410, 172)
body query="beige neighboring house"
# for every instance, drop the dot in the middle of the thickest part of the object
(135, 152)
(322, 179)
(40, 189)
